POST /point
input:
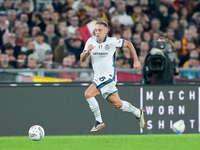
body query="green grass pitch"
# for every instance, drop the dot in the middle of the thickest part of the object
(104, 142)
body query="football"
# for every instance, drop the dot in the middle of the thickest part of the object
(36, 133)
(178, 127)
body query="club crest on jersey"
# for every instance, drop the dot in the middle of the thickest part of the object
(107, 47)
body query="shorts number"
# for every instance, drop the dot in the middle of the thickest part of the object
(102, 78)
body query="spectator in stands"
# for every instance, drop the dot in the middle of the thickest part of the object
(35, 30)
(55, 20)
(4, 76)
(21, 59)
(65, 33)
(146, 37)
(144, 20)
(102, 12)
(144, 48)
(155, 27)
(119, 62)
(145, 7)
(129, 7)
(50, 37)
(127, 34)
(196, 20)
(60, 51)
(136, 42)
(175, 16)
(74, 22)
(117, 34)
(5, 62)
(190, 46)
(174, 24)
(179, 32)
(170, 35)
(68, 4)
(32, 62)
(38, 20)
(137, 11)
(24, 18)
(168, 4)
(25, 29)
(10, 51)
(177, 48)
(11, 17)
(57, 5)
(195, 35)
(19, 32)
(197, 8)
(163, 16)
(81, 12)
(93, 14)
(124, 19)
(49, 7)
(193, 62)
(26, 8)
(89, 4)
(184, 13)
(41, 47)
(4, 31)
(46, 16)
(107, 5)
(26, 37)
(187, 38)
(61, 25)
(70, 12)
(48, 63)
(73, 58)
(178, 4)
(67, 64)
(83, 75)
(155, 36)
(17, 4)
(75, 45)
(127, 57)
(29, 48)
(115, 26)
(7, 5)
(11, 40)
(138, 28)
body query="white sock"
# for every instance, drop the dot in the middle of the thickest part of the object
(127, 107)
(94, 106)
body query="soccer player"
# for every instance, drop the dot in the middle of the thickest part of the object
(102, 50)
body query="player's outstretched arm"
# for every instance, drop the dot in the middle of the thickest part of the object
(84, 55)
(136, 64)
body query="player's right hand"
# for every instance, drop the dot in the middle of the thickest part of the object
(90, 48)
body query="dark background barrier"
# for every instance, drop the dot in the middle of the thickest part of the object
(63, 110)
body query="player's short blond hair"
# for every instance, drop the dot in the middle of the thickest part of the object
(102, 22)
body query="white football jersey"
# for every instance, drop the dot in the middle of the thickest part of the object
(103, 56)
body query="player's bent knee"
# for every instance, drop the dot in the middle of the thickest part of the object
(117, 105)
(88, 95)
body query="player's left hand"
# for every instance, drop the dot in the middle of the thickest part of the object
(137, 66)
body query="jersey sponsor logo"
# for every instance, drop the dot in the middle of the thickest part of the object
(107, 47)
(101, 54)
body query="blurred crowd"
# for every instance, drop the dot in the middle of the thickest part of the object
(46, 35)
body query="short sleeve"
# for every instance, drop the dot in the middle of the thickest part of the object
(87, 44)
(118, 42)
